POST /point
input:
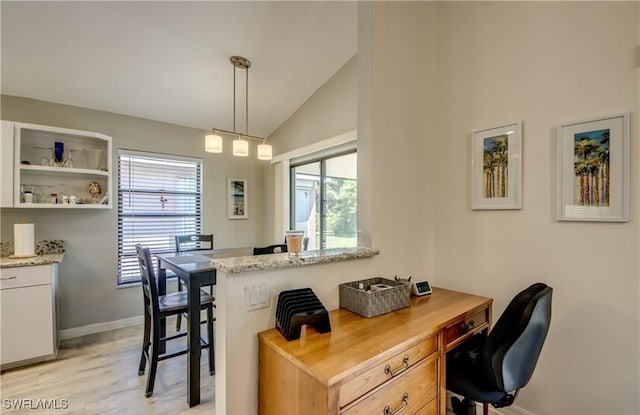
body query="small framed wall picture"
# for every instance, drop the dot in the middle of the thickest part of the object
(496, 167)
(593, 170)
(237, 199)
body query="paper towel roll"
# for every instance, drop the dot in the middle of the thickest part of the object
(23, 239)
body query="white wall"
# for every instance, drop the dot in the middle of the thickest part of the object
(543, 63)
(88, 293)
(395, 127)
(329, 112)
(430, 73)
(637, 66)
(395, 113)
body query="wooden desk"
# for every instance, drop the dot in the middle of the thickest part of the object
(365, 365)
(195, 269)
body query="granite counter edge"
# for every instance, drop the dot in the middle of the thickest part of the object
(241, 265)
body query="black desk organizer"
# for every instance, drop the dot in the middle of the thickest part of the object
(298, 307)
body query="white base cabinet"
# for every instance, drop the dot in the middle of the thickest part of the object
(28, 319)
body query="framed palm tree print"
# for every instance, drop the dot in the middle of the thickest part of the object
(593, 170)
(496, 167)
(237, 199)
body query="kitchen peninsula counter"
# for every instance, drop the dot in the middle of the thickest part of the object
(242, 264)
(237, 323)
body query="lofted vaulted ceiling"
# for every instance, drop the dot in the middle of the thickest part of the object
(169, 61)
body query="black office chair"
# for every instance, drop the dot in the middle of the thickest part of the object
(271, 249)
(158, 307)
(492, 368)
(188, 243)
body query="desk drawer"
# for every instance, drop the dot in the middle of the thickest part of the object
(466, 327)
(429, 409)
(390, 368)
(17, 277)
(411, 391)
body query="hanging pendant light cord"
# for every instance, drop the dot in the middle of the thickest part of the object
(234, 99)
(246, 100)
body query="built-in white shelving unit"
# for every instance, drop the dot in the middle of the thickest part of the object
(77, 175)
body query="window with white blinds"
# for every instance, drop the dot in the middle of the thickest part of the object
(159, 196)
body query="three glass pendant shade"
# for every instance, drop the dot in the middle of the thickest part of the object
(213, 141)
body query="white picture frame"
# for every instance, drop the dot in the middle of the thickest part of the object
(593, 170)
(496, 167)
(237, 198)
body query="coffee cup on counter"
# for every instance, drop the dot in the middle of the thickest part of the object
(294, 242)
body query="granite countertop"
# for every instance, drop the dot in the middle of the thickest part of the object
(46, 259)
(237, 265)
(48, 252)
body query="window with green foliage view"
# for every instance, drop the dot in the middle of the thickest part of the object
(324, 200)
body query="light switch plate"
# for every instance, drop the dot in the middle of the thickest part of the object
(256, 296)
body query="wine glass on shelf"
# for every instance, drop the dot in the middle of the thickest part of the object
(69, 162)
(94, 157)
(45, 155)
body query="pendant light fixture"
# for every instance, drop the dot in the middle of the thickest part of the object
(213, 141)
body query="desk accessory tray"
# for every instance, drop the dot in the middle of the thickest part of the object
(296, 308)
(370, 303)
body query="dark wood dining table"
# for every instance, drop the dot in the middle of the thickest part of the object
(195, 269)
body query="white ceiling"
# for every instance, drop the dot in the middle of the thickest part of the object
(169, 61)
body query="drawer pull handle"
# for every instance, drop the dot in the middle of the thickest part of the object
(13, 277)
(405, 366)
(405, 403)
(468, 327)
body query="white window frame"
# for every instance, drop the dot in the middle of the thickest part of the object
(282, 187)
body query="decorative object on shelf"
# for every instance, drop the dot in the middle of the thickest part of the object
(94, 189)
(58, 152)
(69, 161)
(496, 167)
(237, 199)
(593, 170)
(213, 141)
(94, 157)
(45, 155)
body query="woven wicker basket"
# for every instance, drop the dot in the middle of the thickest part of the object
(373, 303)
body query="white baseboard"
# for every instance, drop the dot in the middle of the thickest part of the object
(100, 327)
(510, 410)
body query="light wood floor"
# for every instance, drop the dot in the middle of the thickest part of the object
(98, 374)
